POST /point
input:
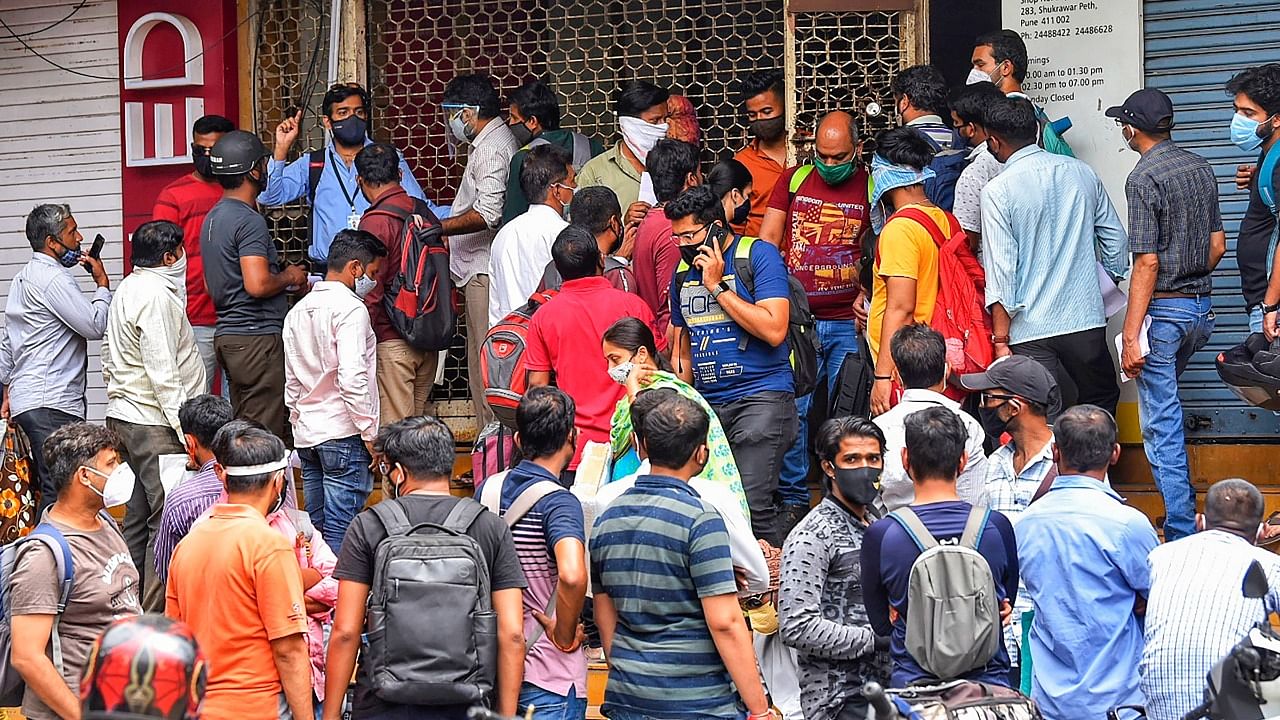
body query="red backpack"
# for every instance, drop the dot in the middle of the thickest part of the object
(502, 359)
(419, 299)
(960, 312)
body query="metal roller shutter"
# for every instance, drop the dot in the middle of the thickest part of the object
(1192, 47)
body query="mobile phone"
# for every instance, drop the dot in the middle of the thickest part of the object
(95, 251)
(715, 236)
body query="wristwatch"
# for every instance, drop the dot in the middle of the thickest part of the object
(722, 287)
(1266, 309)
(999, 339)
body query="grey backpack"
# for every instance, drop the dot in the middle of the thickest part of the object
(431, 632)
(581, 149)
(953, 614)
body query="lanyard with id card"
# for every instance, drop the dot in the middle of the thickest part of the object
(353, 219)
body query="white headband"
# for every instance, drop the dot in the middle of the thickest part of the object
(247, 470)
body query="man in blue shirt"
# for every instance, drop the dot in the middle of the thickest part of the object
(336, 201)
(1046, 223)
(934, 456)
(732, 343)
(665, 594)
(547, 526)
(1085, 644)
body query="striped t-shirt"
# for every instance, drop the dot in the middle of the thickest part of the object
(656, 552)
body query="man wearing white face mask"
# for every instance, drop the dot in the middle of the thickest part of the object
(330, 388)
(471, 107)
(50, 648)
(1000, 57)
(642, 120)
(152, 365)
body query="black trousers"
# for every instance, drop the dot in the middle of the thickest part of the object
(1082, 365)
(760, 429)
(39, 424)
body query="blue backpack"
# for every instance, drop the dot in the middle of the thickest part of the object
(947, 165)
(1266, 177)
(12, 686)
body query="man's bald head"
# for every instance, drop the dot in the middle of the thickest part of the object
(836, 137)
(1233, 504)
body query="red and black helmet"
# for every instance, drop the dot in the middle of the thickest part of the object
(143, 668)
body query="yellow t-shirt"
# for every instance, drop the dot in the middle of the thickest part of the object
(906, 250)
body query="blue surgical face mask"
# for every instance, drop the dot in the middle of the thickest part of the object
(69, 256)
(365, 285)
(1244, 133)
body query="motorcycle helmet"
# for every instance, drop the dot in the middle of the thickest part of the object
(143, 668)
(1252, 371)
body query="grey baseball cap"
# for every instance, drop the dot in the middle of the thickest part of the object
(1020, 375)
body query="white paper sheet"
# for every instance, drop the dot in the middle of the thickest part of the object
(1144, 345)
(1113, 298)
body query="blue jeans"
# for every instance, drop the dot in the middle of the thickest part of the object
(1179, 327)
(336, 481)
(837, 338)
(615, 714)
(550, 706)
(1255, 319)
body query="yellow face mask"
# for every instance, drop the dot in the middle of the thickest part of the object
(763, 619)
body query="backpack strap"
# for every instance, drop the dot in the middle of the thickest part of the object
(744, 273)
(52, 538)
(923, 218)
(797, 179)
(1045, 485)
(392, 516)
(491, 488)
(973, 528)
(315, 169)
(463, 515)
(1266, 177)
(581, 150)
(920, 535)
(525, 501)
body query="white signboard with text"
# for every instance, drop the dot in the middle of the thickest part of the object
(1084, 57)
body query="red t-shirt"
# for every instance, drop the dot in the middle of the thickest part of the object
(654, 262)
(822, 238)
(186, 201)
(565, 337)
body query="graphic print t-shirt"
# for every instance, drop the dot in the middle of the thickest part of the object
(822, 238)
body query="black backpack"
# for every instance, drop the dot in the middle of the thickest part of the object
(431, 635)
(419, 299)
(802, 332)
(852, 394)
(947, 165)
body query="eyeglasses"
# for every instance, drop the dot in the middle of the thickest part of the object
(200, 150)
(686, 238)
(987, 397)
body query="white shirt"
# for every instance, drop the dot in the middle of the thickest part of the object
(896, 489)
(149, 357)
(743, 548)
(968, 203)
(1196, 613)
(518, 257)
(329, 364)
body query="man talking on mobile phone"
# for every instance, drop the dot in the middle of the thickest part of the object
(48, 323)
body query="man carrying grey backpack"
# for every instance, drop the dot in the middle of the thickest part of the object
(940, 557)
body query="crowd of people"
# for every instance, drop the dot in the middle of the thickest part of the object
(673, 308)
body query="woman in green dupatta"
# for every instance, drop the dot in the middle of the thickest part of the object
(634, 362)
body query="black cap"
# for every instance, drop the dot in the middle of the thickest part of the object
(236, 153)
(1020, 375)
(1148, 109)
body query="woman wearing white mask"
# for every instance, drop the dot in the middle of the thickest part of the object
(642, 121)
(152, 365)
(634, 362)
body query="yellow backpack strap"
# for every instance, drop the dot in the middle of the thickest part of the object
(798, 178)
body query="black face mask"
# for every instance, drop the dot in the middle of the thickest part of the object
(860, 485)
(689, 253)
(992, 423)
(350, 131)
(617, 242)
(522, 133)
(203, 165)
(740, 213)
(769, 130)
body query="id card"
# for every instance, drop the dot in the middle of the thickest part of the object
(353, 221)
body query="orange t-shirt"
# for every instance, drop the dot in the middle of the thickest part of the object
(236, 582)
(765, 172)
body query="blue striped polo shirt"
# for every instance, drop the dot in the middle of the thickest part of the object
(656, 552)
